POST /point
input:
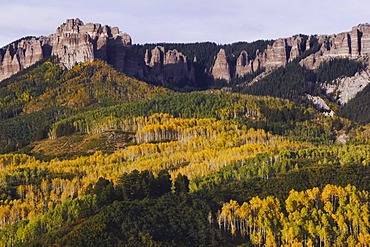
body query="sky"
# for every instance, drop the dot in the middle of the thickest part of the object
(185, 21)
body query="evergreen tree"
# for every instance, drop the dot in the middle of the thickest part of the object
(181, 184)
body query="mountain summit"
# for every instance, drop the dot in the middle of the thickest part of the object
(73, 42)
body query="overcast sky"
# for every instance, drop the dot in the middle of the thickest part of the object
(152, 21)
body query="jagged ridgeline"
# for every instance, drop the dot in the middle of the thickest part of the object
(201, 57)
(171, 65)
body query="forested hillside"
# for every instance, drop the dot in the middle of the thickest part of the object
(30, 102)
(295, 81)
(358, 108)
(91, 157)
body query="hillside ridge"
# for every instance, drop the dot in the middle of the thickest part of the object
(76, 42)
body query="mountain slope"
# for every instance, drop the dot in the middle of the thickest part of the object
(32, 101)
(358, 108)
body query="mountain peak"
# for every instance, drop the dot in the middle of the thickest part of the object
(73, 42)
(71, 25)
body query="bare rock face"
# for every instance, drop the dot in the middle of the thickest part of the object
(221, 69)
(243, 65)
(318, 102)
(283, 51)
(71, 45)
(339, 45)
(297, 46)
(20, 55)
(365, 39)
(346, 88)
(155, 63)
(353, 44)
(76, 42)
(10, 63)
(73, 42)
(175, 67)
(276, 54)
(157, 57)
(29, 52)
(257, 62)
(167, 67)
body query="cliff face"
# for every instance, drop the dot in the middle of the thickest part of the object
(353, 44)
(346, 88)
(73, 42)
(71, 45)
(243, 65)
(20, 55)
(276, 55)
(76, 42)
(167, 67)
(221, 70)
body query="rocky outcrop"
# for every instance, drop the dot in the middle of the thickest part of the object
(297, 47)
(221, 69)
(71, 45)
(176, 68)
(352, 44)
(167, 67)
(318, 102)
(73, 42)
(283, 51)
(346, 88)
(364, 30)
(243, 65)
(276, 55)
(20, 55)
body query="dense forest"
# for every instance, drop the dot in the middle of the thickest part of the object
(294, 81)
(91, 157)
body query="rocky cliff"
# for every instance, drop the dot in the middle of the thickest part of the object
(76, 42)
(243, 65)
(73, 42)
(344, 89)
(276, 55)
(167, 67)
(220, 69)
(353, 44)
(21, 54)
